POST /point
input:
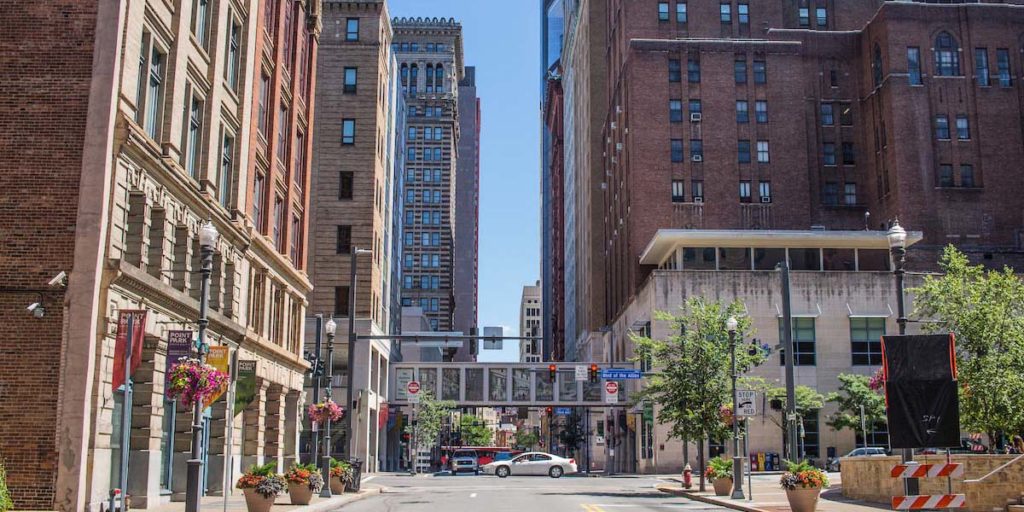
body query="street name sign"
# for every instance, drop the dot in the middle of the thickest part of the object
(621, 374)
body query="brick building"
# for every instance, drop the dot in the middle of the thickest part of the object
(554, 125)
(141, 121)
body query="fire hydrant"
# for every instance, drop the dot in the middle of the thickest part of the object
(687, 477)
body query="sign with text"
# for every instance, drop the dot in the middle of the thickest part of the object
(179, 345)
(218, 358)
(611, 392)
(403, 376)
(414, 391)
(138, 332)
(563, 411)
(245, 386)
(747, 402)
(620, 374)
(581, 373)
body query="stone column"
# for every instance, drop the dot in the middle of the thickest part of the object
(136, 235)
(159, 244)
(274, 427)
(292, 424)
(254, 426)
(144, 455)
(217, 456)
(181, 268)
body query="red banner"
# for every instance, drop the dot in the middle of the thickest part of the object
(382, 416)
(138, 333)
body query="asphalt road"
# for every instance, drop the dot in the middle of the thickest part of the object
(469, 493)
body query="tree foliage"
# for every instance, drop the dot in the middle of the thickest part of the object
(430, 415)
(854, 392)
(526, 439)
(808, 400)
(985, 311)
(573, 435)
(475, 431)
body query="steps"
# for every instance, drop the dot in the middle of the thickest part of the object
(1016, 505)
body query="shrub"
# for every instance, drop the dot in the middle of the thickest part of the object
(718, 468)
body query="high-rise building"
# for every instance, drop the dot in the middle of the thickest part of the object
(143, 126)
(357, 166)
(467, 212)
(553, 290)
(530, 324)
(552, 15)
(430, 60)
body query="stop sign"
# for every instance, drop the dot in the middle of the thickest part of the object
(611, 387)
(413, 387)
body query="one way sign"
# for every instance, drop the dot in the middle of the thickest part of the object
(746, 399)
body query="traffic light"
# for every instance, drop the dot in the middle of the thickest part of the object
(593, 372)
(406, 437)
(549, 411)
(552, 369)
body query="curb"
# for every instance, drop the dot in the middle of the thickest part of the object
(340, 501)
(692, 495)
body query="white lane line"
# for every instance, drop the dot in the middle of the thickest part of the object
(472, 495)
(368, 478)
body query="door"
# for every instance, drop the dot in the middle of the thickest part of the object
(539, 464)
(520, 465)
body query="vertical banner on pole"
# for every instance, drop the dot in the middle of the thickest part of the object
(217, 358)
(138, 332)
(245, 385)
(179, 345)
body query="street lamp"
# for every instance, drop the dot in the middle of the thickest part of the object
(208, 236)
(350, 359)
(331, 327)
(898, 250)
(737, 464)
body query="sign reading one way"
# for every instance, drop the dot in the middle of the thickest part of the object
(747, 402)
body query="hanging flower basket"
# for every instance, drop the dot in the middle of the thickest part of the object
(194, 381)
(725, 414)
(877, 381)
(327, 410)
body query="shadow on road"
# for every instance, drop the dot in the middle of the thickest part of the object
(609, 494)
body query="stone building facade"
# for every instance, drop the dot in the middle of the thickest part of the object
(467, 213)
(157, 131)
(531, 324)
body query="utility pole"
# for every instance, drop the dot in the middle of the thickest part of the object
(790, 356)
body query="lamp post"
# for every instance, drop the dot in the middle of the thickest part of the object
(737, 463)
(350, 359)
(898, 250)
(208, 236)
(790, 357)
(331, 327)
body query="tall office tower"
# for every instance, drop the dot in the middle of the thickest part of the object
(553, 290)
(139, 130)
(552, 258)
(467, 212)
(429, 53)
(354, 182)
(530, 324)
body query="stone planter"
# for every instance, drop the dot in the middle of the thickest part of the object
(254, 502)
(300, 494)
(803, 499)
(337, 486)
(723, 486)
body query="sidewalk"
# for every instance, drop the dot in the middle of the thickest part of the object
(768, 496)
(236, 502)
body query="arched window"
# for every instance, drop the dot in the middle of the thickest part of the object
(947, 55)
(439, 77)
(405, 75)
(876, 65)
(414, 77)
(430, 76)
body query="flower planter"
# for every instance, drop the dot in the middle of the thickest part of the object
(723, 486)
(300, 494)
(254, 502)
(337, 486)
(803, 499)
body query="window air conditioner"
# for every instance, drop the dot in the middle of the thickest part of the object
(618, 146)
(697, 158)
(614, 125)
(695, 117)
(766, 199)
(698, 199)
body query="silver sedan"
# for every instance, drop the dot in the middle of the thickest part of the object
(532, 463)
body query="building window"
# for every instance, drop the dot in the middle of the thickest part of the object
(963, 128)
(743, 12)
(744, 191)
(739, 71)
(341, 296)
(345, 185)
(352, 29)
(697, 189)
(849, 156)
(234, 53)
(945, 175)
(695, 107)
(821, 17)
(876, 65)
(760, 72)
(866, 340)
(677, 150)
(200, 22)
(662, 11)
(283, 125)
(947, 55)
(942, 127)
(967, 176)
(764, 190)
(914, 65)
(845, 114)
(981, 66)
(827, 114)
(675, 70)
(227, 156)
(153, 120)
(761, 111)
(1003, 67)
(259, 192)
(348, 132)
(762, 151)
(805, 17)
(351, 75)
(693, 70)
(681, 12)
(742, 112)
(278, 233)
(675, 111)
(850, 194)
(299, 172)
(295, 250)
(725, 13)
(803, 342)
(696, 150)
(829, 152)
(810, 434)
(344, 242)
(264, 105)
(830, 194)
(743, 150)
(678, 194)
(833, 78)
(193, 140)
(289, 35)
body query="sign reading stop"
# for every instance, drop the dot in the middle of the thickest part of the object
(414, 391)
(611, 392)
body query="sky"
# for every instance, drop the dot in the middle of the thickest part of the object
(504, 45)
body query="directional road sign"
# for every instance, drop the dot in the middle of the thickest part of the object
(747, 400)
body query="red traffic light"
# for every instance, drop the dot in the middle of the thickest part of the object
(549, 411)
(593, 372)
(551, 371)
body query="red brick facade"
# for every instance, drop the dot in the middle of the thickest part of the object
(554, 110)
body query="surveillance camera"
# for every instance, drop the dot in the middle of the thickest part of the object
(60, 280)
(37, 309)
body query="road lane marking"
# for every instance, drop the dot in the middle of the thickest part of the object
(472, 495)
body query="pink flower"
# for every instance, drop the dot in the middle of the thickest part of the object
(325, 411)
(194, 381)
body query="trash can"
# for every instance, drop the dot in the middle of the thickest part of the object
(357, 475)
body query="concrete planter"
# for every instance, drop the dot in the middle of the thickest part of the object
(337, 486)
(254, 502)
(803, 500)
(300, 494)
(723, 486)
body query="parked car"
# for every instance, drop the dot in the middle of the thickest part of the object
(465, 460)
(870, 451)
(532, 463)
(966, 446)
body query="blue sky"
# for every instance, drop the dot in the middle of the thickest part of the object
(504, 45)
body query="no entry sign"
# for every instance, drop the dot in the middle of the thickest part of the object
(611, 392)
(414, 391)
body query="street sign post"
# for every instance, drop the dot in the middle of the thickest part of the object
(581, 373)
(747, 402)
(621, 374)
(611, 392)
(414, 391)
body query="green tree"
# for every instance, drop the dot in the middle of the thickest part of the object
(855, 392)
(573, 435)
(693, 379)
(985, 311)
(808, 400)
(5, 495)
(475, 431)
(430, 415)
(526, 439)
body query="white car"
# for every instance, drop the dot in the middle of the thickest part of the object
(532, 463)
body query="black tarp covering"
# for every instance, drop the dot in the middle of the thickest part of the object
(918, 357)
(922, 404)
